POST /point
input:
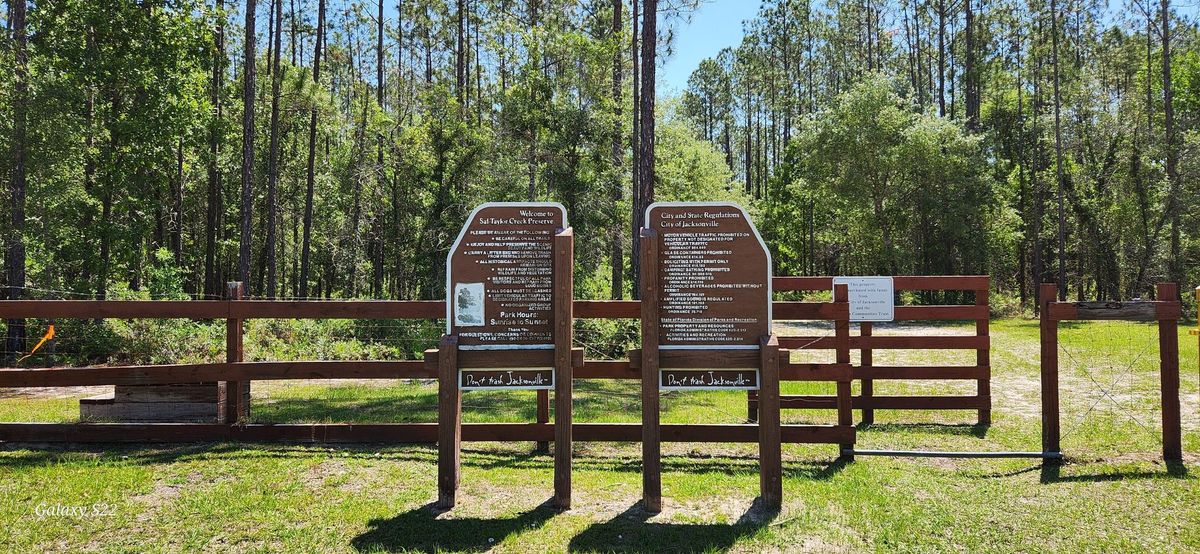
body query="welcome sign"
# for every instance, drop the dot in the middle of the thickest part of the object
(499, 289)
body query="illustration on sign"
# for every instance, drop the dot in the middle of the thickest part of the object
(714, 276)
(468, 304)
(499, 277)
(871, 298)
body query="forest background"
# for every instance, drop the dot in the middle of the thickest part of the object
(332, 149)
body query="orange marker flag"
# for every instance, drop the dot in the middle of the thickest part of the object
(49, 335)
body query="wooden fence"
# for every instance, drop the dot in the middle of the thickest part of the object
(235, 370)
(867, 343)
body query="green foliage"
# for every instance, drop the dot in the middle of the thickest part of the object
(819, 122)
(164, 279)
(888, 190)
(689, 168)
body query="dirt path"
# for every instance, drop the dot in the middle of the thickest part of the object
(55, 392)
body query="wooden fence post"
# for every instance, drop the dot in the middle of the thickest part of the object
(651, 433)
(449, 422)
(236, 393)
(770, 457)
(1047, 294)
(1168, 353)
(983, 357)
(845, 399)
(564, 319)
(868, 386)
(543, 416)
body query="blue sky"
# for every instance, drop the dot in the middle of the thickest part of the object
(717, 24)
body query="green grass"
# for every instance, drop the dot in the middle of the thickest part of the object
(1113, 494)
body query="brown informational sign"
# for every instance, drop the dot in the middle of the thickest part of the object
(499, 287)
(714, 290)
(714, 276)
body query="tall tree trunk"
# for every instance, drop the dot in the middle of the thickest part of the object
(646, 142)
(273, 162)
(306, 242)
(247, 147)
(116, 102)
(291, 41)
(428, 41)
(1175, 265)
(15, 247)
(89, 143)
(1023, 194)
(617, 260)
(460, 68)
(970, 70)
(1149, 68)
(177, 206)
(271, 28)
(1036, 172)
(358, 160)
(377, 253)
(635, 145)
(748, 142)
(399, 226)
(920, 76)
(216, 197)
(1058, 161)
(478, 69)
(942, 58)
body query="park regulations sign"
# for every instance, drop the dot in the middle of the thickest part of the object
(714, 274)
(872, 299)
(499, 289)
(712, 292)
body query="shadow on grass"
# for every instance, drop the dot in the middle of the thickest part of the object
(1052, 473)
(692, 465)
(977, 430)
(631, 531)
(129, 454)
(421, 530)
(44, 454)
(418, 403)
(20, 456)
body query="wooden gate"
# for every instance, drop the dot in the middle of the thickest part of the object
(1166, 311)
(867, 343)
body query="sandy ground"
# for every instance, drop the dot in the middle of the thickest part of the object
(55, 392)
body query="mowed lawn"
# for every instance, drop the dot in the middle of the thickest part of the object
(1113, 493)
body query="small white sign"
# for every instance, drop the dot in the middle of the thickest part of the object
(871, 298)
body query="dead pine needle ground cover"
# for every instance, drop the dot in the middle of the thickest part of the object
(1113, 493)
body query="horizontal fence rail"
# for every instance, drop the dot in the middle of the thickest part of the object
(235, 370)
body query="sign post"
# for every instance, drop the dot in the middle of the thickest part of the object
(509, 298)
(706, 325)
